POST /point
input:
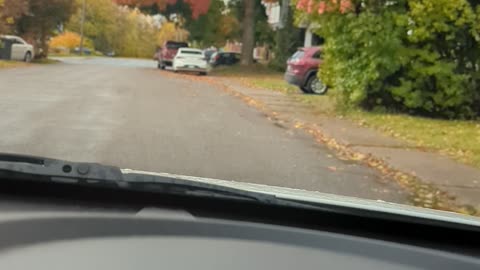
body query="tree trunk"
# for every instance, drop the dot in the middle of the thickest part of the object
(248, 37)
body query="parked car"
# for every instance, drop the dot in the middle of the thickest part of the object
(168, 52)
(189, 59)
(224, 58)
(208, 54)
(15, 48)
(86, 51)
(302, 69)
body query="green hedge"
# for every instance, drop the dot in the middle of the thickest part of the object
(414, 56)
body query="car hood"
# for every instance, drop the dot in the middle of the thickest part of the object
(329, 199)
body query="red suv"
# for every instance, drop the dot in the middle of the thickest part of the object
(168, 52)
(303, 68)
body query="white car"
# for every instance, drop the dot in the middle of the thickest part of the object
(188, 59)
(15, 48)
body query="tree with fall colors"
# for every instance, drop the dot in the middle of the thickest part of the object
(10, 12)
(43, 18)
(210, 30)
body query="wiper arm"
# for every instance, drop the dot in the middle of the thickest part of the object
(24, 167)
(40, 168)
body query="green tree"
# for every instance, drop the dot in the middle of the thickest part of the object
(100, 22)
(207, 29)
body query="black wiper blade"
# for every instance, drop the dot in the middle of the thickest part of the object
(21, 158)
(40, 168)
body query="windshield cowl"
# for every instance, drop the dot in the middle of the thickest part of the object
(319, 198)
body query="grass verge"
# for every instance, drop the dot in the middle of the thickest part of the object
(11, 64)
(457, 139)
(45, 61)
(260, 76)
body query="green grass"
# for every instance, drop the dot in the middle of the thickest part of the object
(260, 76)
(45, 61)
(457, 139)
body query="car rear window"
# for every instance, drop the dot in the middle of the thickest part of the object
(298, 55)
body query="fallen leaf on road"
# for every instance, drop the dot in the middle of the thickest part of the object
(298, 125)
(333, 169)
(358, 156)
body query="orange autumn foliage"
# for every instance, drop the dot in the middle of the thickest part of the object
(68, 40)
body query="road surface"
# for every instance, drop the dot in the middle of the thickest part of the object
(127, 113)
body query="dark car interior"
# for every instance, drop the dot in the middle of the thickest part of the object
(63, 226)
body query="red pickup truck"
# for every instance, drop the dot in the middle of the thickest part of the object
(167, 53)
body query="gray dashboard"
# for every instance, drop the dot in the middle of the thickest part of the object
(158, 239)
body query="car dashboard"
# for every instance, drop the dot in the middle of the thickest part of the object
(70, 228)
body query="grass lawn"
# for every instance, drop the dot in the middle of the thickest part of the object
(10, 64)
(457, 139)
(45, 61)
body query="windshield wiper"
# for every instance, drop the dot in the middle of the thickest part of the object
(40, 168)
(21, 167)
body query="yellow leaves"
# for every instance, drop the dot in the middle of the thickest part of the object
(228, 25)
(358, 156)
(170, 31)
(68, 40)
(299, 125)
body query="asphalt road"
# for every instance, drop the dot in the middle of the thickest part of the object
(127, 113)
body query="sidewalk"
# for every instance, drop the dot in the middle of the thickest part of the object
(459, 182)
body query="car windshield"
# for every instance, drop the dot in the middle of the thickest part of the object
(373, 100)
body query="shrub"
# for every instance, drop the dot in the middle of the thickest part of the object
(415, 56)
(68, 40)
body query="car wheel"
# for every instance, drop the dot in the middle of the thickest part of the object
(305, 90)
(28, 57)
(161, 65)
(202, 73)
(316, 86)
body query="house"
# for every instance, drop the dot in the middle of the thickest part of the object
(276, 11)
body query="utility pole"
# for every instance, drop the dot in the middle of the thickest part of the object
(82, 23)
